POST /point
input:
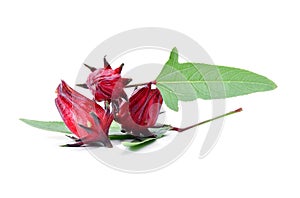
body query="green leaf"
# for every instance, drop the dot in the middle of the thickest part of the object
(49, 126)
(159, 131)
(120, 136)
(137, 143)
(189, 81)
(141, 143)
(58, 126)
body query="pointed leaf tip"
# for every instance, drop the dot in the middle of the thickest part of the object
(173, 56)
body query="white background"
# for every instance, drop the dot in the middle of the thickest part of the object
(258, 153)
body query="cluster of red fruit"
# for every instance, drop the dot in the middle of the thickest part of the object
(90, 122)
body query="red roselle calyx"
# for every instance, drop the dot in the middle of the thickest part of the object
(84, 117)
(106, 84)
(140, 112)
(144, 105)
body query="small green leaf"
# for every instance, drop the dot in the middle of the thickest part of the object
(120, 136)
(58, 126)
(189, 81)
(143, 142)
(137, 143)
(159, 131)
(49, 126)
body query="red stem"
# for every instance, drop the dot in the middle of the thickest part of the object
(206, 121)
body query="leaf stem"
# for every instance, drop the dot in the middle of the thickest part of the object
(206, 121)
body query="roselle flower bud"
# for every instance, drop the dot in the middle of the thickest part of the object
(141, 112)
(84, 117)
(106, 84)
(144, 105)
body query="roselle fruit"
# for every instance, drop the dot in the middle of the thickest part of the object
(84, 117)
(106, 84)
(144, 105)
(140, 112)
